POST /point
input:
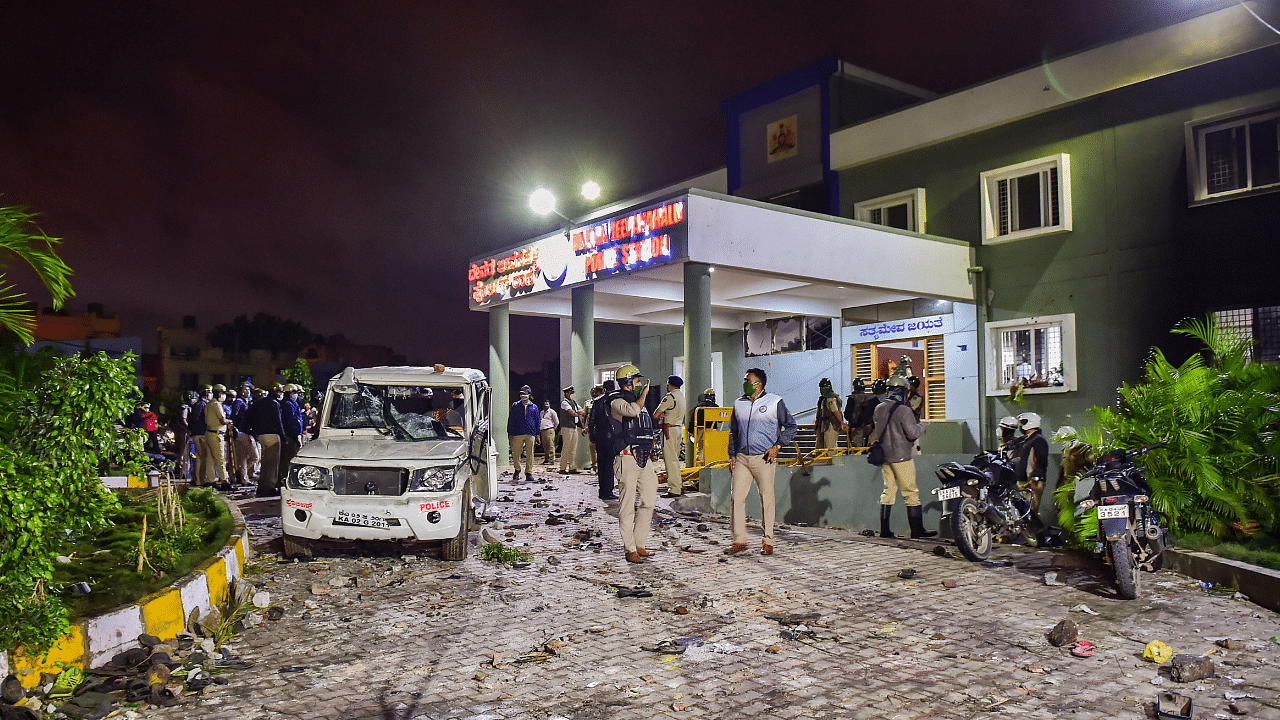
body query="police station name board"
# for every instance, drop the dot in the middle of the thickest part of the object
(648, 237)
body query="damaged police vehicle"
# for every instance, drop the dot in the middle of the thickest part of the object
(402, 453)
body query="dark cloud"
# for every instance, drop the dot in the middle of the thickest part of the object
(338, 162)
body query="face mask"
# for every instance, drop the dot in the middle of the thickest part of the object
(748, 388)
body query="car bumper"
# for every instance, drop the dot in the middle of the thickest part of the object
(311, 514)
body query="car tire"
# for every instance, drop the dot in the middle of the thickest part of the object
(455, 549)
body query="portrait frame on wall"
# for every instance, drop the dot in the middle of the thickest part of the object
(780, 139)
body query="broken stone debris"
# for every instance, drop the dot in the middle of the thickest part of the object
(1189, 668)
(1064, 633)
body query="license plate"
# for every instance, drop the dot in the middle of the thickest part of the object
(1108, 512)
(949, 493)
(361, 519)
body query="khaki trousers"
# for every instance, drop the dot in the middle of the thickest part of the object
(634, 522)
(593, 454)
(246, 455)
(549, 445)
(831, 437)
(202, 461)
(672, 440)
(568, 452)
(746, 469)
(268, 477)
(521, 444)
(900, 476)
(217, 464)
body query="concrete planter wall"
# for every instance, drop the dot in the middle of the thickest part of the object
(92, 642)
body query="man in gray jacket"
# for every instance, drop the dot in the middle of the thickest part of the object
(897, 431)
(761, 425)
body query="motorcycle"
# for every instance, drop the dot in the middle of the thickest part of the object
(1128, 530)
(982, 501)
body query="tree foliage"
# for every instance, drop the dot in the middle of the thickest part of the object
(19, 236)
(263, 332)
(58, 419)
(300, 374)
(1219, 412)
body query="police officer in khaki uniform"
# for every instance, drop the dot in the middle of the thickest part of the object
(636, 478)
(670, 419)
(831, 424)
(215, 417)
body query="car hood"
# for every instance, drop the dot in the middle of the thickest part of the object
(378, 449)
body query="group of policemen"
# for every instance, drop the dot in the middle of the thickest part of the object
(240, 434)
(855, 423)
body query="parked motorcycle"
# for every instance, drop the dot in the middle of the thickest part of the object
(1128, 530)
(982, 501)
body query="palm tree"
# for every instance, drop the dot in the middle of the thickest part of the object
(20, 236)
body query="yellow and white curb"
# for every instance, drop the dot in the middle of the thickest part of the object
(92, 642)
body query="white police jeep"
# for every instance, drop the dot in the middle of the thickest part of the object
(401, 454)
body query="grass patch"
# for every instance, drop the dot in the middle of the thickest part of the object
(1262, 550)
(497, 552)
(107, 557)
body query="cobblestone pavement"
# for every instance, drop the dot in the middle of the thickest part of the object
(420, 638)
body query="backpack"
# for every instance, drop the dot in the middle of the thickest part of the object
(600, 425)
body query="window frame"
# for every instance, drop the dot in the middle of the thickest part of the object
(913, 198)
(1067, 323)
(1194, 132)
(988, 179)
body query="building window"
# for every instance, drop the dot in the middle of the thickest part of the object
(786, 335)
(904, 210)
(188, 381)
(1259, 324)
(1232, 156)
(1037, 353)
(1027, 199)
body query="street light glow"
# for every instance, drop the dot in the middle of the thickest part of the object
(542, 201)
(591, 190)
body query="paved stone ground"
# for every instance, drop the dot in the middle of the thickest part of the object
(418, 638)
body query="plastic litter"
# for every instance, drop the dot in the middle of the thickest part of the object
(1083, 649)
(1051, 579)
(1157, 652)
(1084, 609)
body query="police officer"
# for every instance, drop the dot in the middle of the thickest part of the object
(1009, 440)
(897, 430)
(215, 417)
(181, 426)
(830, 421)
(246, 453)
(265, 421)
(599, 434)
(706, 399)
(596, 392)
(915, 400)
(670, 419)
(857, 415)
(634, 443)
(198, 427)
(291, 440)
(1033, 458)
(570, 418)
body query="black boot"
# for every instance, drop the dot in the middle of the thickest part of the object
(915, 517)
(885, 532)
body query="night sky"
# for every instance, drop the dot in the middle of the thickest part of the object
(337, 163)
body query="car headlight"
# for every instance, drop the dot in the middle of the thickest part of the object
(309, 477)
(433, 479)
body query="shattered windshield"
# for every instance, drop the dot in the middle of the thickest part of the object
(403, 411)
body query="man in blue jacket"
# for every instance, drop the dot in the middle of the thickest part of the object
(761, 426)
(522, 428)
(291, 441)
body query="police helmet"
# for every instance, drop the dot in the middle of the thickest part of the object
(858, 385)
(824, 383)
(1009, 422)
(878, 386)
(913, 381)
(277, 387)
(192, 395)
(205, 388)
(626, 374)
(219, 387)
(1029, 421)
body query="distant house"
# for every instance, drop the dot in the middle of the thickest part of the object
(186, 361)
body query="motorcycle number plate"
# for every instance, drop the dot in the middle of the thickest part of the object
(1107, 512)
(949, 493)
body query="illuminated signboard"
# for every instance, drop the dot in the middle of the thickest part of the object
(648, 237)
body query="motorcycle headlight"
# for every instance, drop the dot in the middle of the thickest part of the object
(433, 479)
(309, 477)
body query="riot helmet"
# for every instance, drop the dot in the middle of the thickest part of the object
(1029, 421)
(878, 386)
(897, 386)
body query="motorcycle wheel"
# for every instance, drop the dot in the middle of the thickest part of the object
(971, 531)
(1126, 570)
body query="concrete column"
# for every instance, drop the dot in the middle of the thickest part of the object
(697, 333)
(500, 378)
(582, 356)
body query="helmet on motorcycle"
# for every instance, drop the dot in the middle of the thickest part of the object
(858, 385)
(1008, 422)
(913, 381)
(626, 373)
(1029, 421)
(878, 386)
